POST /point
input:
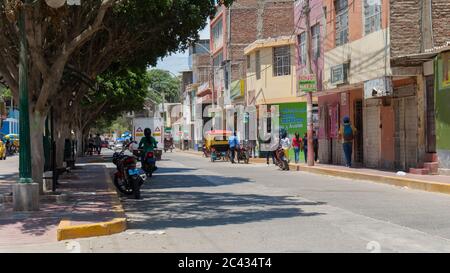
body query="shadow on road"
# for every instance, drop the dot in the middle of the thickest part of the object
(160, 209)
(178, 209)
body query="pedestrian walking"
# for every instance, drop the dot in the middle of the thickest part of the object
(305, 146)
(285, 144)
(296, 144)
(98, 144)
(274, 143)
(91, 145)
(347, 134)
(316, 146)
(233, 142)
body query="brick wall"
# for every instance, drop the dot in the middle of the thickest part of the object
(441, 21)
(405, 25)
(256, 19)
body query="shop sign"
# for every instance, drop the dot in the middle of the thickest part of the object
(307, 83)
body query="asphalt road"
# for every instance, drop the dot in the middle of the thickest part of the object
(193, 205)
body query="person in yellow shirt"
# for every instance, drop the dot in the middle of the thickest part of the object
(347, 133)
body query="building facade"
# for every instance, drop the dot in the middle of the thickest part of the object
(271, 76)
(232, 30)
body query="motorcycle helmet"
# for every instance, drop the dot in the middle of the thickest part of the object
(147, 132)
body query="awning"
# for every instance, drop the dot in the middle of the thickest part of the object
(419, 58)
(413, 59)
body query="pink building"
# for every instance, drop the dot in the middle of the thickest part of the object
(317, 23)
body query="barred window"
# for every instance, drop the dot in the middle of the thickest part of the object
(341, 8)
(281, 61)
(302, 48)
(372, 16)
(315, 30)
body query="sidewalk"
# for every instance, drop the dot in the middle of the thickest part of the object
(432, 183)
(92, 208)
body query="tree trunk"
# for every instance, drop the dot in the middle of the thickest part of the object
(80, 142)
(37, 122)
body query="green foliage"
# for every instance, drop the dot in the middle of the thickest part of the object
(5, 93)
(119, 92)
(162, 82)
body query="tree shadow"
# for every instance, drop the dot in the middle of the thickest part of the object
(185, 209)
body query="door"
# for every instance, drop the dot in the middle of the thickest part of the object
(358, 123)
(372, 133)
(406, 133)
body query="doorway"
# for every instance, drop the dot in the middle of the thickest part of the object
(359, 139)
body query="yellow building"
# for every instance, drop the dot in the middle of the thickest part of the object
(271, 80)
(271, 75)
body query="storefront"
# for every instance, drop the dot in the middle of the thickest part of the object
(333, 107)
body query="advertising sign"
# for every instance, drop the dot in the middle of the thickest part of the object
(293, 117)
(307, 83)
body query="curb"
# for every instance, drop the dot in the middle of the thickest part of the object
(67, 231)
(394, 181)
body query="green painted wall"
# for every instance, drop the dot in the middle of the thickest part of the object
(442, 101)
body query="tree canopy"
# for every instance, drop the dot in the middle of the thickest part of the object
(162, 82)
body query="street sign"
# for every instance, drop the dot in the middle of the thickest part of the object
(157, 132)
(307, 83)
(139, 132)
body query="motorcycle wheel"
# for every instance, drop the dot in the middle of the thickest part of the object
(285, 165)
(247, 158)
(136, 185)
(121, 188)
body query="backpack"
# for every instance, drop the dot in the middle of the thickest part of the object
(348, 133)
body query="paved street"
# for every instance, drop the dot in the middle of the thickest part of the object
(193, 205)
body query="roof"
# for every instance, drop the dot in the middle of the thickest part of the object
(270, 42)
(416, 59)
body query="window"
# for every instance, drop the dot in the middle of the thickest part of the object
(372, 16)
(302, 48)
(339, 73)
(217, 61)
(217, 35)
(281, 61)
(341, 7)
(315, 32)
(248, 62)
(258, 65)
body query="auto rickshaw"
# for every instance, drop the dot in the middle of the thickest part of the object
(216, 145)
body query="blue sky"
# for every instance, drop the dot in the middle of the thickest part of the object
(179, 62)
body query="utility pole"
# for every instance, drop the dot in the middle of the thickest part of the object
(25, 192)
(310, 155)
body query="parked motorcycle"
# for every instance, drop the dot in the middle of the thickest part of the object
(281, 160)
(127, 179)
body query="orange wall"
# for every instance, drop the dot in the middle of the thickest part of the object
(355, 19)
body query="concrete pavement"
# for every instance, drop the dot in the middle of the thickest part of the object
(92, 208)
(193, 205)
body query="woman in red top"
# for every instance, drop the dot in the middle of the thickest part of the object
(297, 144)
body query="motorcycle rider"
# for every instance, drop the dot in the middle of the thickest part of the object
(147, 144)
